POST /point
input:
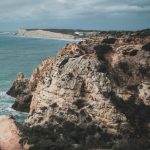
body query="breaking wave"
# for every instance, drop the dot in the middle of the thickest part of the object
(3, 94)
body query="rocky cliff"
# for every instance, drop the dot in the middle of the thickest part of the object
(91, 95)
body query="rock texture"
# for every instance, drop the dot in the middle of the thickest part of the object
(9, 134)
(22, 91)
(93, 92)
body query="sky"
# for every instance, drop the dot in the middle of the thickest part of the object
(75, 14)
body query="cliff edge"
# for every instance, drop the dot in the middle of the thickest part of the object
(93, 94)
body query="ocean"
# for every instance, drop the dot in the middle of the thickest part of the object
(20, 54)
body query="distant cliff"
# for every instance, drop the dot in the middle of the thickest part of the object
(92, 95)
(43, 34)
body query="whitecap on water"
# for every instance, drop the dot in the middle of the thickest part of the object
(6, 107)
(3, 94)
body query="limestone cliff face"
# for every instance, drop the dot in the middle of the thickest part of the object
(97, 88)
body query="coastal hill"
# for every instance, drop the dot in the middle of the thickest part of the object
(65, 31)
(43, 34)
(93, 95)
(56, 33)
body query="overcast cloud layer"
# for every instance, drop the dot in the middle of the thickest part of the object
(89, 14)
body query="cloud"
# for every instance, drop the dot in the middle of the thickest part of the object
(50, 10)
(69, 8)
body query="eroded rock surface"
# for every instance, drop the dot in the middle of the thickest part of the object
(22, 92)
(93, 92)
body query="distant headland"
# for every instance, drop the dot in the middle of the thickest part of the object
(66, 34)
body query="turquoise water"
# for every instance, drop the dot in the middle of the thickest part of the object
(19, 54)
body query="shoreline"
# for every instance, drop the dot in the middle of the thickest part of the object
(43, 34)
(42, 37)
(49, 38)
